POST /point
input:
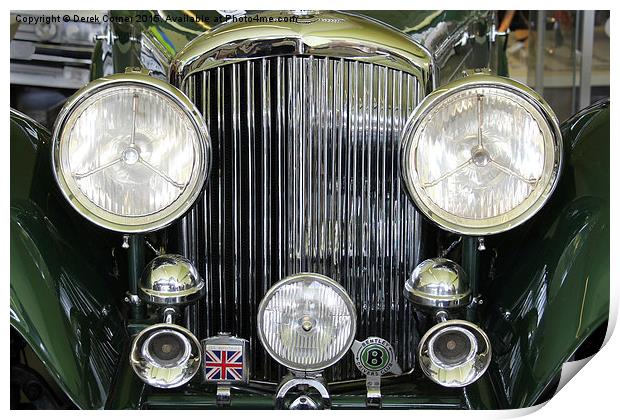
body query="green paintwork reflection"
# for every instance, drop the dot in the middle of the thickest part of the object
(61, 301)
(556, 267)
(166, 28)
(417, 21)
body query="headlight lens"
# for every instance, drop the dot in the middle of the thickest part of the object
(130, 152)
(481, 155)
(306, 322)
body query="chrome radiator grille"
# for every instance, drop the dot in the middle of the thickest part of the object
(305, 177)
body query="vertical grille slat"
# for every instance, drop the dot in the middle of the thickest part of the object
(305, 177)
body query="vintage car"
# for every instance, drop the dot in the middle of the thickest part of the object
(305, 210)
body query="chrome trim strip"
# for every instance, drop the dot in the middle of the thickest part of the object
(321, 34)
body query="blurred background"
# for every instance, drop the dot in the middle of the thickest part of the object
(563, 54)
(49, 62)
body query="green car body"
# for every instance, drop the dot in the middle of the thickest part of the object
(545, 289)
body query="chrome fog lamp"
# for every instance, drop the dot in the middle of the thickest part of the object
(170, 280)
(130, 152)
(481, 155)
(454, 353)
(165, 355)
(438, 283)
(306, 322)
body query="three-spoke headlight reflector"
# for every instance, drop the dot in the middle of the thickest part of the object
(131, 152)
(481, 155)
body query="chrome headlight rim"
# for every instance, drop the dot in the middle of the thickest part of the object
(296, 278)
(171, 212)
(529, 97)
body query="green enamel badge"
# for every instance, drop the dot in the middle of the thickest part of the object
(375, 357)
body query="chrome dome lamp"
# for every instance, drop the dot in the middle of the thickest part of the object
(170, 280)
(452, 353)
(438, 283)
(167, 355)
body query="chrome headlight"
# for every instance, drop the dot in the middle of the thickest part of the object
(130, 152)
(481, 155)
(306, 322)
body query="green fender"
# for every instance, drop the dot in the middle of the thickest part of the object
(552, 290)
(61, 301)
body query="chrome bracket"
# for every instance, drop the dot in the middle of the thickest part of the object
(462, 41)
(303, 383)
(132, 299)
(441, 316)
(222, 397)
(107, 37)
(493, 33)
(373, 391)
(139, 70)
(169, 313)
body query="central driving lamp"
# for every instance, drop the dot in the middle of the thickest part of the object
(306, 322)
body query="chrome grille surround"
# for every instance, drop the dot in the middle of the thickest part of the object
(305, 128)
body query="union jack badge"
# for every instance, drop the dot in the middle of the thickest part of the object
(226, 359)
